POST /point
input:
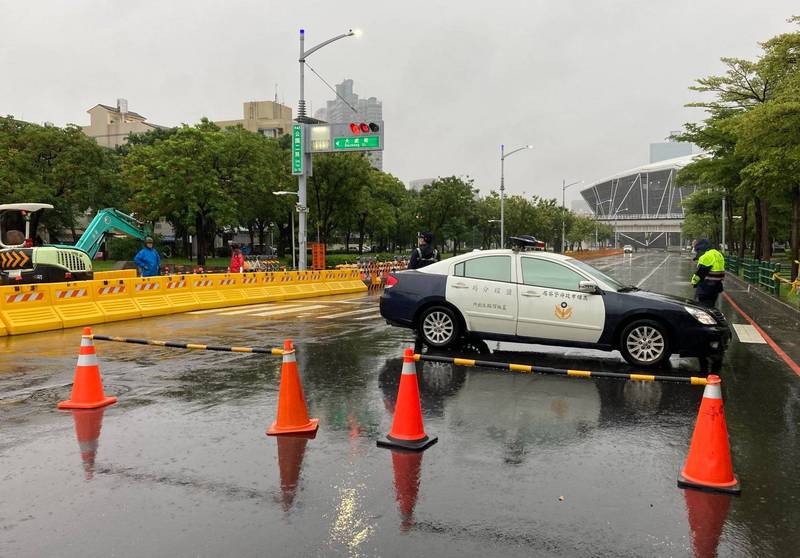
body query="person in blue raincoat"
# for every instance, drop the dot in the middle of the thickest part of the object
(147, 260)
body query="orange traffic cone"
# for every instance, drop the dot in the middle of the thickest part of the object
(406, 466)
(291, 450)
(407, 431)
(708, 465)
(87, 387)
(292, 413)
(87, 428)
(706, 519)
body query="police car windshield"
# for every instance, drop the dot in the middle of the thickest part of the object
(597, 274)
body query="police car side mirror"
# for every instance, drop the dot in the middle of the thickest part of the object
(588, 287)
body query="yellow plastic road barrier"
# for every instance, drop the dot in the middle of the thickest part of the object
(317, 285)
(27, 309)
(351, 282)
(179, 293)
(290, 285)
(116, 274)
(194, 346)
(253, 287)
(527, 368)
(230, 286)
(74, 303)
(149, 295)
(113, 298)
(273, 285)
(206, 289)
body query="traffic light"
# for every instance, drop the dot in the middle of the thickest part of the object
(364, 128)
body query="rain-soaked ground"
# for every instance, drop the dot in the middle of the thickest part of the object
(526, 465)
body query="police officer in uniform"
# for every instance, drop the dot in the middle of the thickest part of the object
(707, 279)
(424, 254)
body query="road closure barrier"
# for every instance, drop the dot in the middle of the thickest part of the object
(193, 346)
(527, 368)
(114, 296)
(74, 303)
(28, 309)
(149, 295)
(116, 274)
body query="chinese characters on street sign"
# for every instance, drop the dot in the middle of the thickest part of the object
(297, 149)
(357, 142)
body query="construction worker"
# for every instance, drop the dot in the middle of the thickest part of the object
(424, 254)
(707, 279)
(147, 260)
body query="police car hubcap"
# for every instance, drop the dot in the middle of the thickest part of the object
(438, 327)
(645, 343)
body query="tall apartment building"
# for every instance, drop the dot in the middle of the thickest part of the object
(367, 110)
(267, 118)
(111, 126)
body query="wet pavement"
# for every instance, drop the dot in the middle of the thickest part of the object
(526, 465)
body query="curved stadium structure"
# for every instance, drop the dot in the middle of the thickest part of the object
(644, 205)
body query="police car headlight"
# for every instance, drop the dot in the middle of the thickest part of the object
(703, 317)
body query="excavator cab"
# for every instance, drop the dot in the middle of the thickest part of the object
(23, 257)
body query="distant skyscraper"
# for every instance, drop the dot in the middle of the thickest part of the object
(367, 110)
(669, 149)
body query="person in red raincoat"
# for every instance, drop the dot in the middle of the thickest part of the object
(237, 259)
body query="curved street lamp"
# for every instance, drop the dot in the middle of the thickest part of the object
(503, 156)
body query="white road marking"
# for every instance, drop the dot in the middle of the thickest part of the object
(362, 311)
(257, 307)
(370, 317)
(649, 275)
(290, 310)
(748, 334)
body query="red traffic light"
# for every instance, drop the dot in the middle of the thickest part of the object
(355, 128)
(364, 127)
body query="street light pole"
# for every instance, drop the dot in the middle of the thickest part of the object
(503, 156)
(295, 208)
(301, 118)
(564, 187)
(723, 223)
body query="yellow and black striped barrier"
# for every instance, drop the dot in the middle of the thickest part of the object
(529, 369)
(193, 346)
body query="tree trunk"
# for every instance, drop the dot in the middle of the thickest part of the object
(766, 241)
(757, 228)
(252, 236)
(201, 239)
(795, 230)
(262, 239)
(743, 233)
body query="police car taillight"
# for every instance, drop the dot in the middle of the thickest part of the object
(391, 281)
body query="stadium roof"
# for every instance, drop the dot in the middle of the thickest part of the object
(676, 163)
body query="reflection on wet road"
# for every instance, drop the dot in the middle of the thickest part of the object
(526, 465)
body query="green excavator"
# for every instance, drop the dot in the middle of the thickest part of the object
(24, 258)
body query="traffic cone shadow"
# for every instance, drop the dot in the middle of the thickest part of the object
(88, 423)
(408, 430)
(292, 412)
(406, 466)
(708, 465)
(707, 513)
(87, 386)
(291, 450)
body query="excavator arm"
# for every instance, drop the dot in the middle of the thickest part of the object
(105, 222)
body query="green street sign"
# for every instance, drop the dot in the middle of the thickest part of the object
(297, 149)
(357, 142)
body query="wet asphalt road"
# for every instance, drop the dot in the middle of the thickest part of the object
(526, 465)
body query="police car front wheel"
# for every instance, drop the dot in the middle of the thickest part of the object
(644, 343)
(438, 327)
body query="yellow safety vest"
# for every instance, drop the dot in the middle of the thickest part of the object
(711, 259)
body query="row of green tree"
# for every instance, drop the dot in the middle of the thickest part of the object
(752, 136)
(206, 182)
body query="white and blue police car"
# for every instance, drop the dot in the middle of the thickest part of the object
(551, 299)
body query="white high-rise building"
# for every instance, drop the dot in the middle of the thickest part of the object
(367, 110)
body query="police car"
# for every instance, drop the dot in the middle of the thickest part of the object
(551, 299)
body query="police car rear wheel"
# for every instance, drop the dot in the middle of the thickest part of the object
(644, 343)
(438, 327)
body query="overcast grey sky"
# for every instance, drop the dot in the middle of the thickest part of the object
(590, 83)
